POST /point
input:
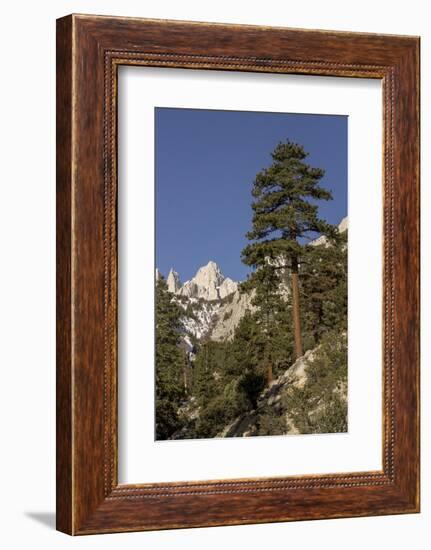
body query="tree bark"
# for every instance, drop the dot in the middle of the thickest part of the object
(295, 308)
(185, 377)
(269, 372)
(268, 364)
(268, 369)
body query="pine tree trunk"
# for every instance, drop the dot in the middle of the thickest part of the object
(295, 307)
(268, 369)
(185, 381)
(268, 364)
(269, 372)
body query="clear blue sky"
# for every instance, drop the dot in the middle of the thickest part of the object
(206, 161)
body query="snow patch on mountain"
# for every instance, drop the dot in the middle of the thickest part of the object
(198, 317)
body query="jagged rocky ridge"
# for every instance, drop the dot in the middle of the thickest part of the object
(209, 284)
(212, 303)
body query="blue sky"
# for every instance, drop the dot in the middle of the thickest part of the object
(205, 164)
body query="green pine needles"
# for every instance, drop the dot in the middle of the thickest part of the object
(283, 216)
(170, 361)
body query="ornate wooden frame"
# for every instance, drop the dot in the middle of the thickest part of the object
(89, 51)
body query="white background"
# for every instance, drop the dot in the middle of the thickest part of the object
(27, 274)
(141, 458)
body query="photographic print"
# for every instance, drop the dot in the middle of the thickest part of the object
(251, 274)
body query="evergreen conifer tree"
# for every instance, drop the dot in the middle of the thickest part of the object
(169, 363)
(284, 215)
(266, 284)
(324, 287)
(204, 369)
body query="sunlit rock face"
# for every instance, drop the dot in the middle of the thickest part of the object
(209, 283)
(173, 281)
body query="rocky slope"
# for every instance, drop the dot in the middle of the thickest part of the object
(278, 400)
(212, 303)
(294, 376)
(229, 314)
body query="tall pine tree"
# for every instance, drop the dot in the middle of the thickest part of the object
(284, 215)
(266, 298)
(204, 372)
(169, 363)
(324, 287)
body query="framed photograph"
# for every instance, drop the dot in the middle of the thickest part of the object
(237, 274)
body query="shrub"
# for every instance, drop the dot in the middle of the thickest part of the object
(250, 385)
(320, 406)
(271, 422)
